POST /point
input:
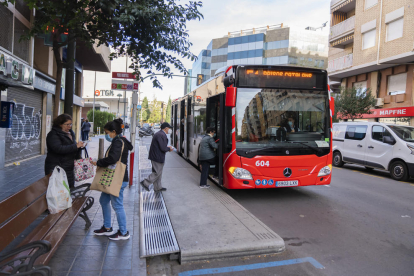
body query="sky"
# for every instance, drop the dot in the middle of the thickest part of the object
(223, 16)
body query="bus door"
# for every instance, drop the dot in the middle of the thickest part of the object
(189, 127)
(182, 126)
(174, 125)
(215, 119)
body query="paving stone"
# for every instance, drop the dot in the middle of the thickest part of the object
(117, 262)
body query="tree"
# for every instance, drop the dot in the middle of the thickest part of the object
(149, 31)
(168, 111)
(353, 103)
(145, 109)
(155, 108)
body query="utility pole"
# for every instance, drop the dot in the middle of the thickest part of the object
(93, 106)
(70, 75)
(126, 70)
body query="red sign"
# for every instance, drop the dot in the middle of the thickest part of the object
(122, 75)
(97, 93)
(135, 86)
(391, 112)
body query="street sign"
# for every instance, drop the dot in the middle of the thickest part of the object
(122, 75)
(124, 85)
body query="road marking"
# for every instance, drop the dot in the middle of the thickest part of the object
(251, 267)
(412, 184)
(373, 175)
(327, 186)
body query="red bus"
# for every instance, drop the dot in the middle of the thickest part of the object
(273, 124)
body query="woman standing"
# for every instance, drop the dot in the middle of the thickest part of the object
(207, 155)
(62, 149)
(113, 132)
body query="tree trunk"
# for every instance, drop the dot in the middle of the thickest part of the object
(59, 67)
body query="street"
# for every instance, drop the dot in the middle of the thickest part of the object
(361, 224)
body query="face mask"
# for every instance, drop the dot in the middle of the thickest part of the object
(290, 123)
(108, 138)
(169, 131)
(214, 135)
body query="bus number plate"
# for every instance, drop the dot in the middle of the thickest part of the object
(287, 183)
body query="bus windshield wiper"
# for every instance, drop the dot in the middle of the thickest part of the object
(317, 150)
(260, 149)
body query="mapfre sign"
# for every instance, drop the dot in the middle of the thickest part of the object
(391, 112)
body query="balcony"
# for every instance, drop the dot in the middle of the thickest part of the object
(342, 5)
(340, 63)
(342, 33)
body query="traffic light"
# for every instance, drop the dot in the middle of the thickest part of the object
(199, 79)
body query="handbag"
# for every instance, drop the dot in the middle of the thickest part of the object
(83, 168)
(109, 180)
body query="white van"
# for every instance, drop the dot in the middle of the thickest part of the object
(375, 146)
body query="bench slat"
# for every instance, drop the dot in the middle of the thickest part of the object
(13, 204)
(57, 233)
(12, 228)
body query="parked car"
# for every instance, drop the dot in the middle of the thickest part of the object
(375, 146)
(156, 126)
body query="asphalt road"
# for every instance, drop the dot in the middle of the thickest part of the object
(361, 224)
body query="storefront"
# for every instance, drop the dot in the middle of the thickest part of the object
(400, 115)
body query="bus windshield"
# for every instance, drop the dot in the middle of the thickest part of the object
(281, 118)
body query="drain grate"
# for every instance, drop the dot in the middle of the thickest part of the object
(156, 233)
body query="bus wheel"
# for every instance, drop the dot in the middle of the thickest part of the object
(399, 171)
(337, 159)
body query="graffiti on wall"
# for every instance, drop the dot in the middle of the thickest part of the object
(26, 128)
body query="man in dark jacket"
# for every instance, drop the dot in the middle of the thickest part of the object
(207, 155)
(157, 153)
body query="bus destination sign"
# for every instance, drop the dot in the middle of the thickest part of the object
(277, 78)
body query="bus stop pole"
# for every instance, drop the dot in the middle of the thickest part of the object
(132, 128)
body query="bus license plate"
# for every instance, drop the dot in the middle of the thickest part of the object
(287, 183)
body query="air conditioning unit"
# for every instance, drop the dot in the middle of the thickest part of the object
(379, 102)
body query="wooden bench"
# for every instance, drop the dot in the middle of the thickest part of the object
(20, 210)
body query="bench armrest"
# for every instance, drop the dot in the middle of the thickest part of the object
(24, 263)
(80, 191)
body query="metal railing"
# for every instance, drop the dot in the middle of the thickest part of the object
(343, 28)
(340, 63)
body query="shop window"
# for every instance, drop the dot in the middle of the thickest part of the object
(395, 29)
(368, 39)
(6, 31)
(397, 84)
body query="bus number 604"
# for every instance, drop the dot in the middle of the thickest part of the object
(262, 163)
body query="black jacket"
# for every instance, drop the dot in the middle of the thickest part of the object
(61, 151)
(86, 126)
(114, 152)
(207, 147)
(158, 147)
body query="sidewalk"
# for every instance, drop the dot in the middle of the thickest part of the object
(81, 252)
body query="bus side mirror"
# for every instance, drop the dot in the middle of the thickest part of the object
(231, 93)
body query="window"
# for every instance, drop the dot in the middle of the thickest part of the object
(397, 84)
(356, 132)
(395, 29)
(378, 132)
(361, 87)
(370, 3)
(368, 39)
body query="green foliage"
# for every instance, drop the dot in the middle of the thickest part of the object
(155, 108)
(145, 110)
(352, 103)
(101, 118)
(168, 111)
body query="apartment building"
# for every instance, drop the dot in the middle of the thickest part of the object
(28, 79)
(269, 45)
(372, 47)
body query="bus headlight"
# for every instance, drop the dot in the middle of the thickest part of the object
(325, 170)
(240, 173)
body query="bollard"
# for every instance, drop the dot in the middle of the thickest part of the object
(101, 148)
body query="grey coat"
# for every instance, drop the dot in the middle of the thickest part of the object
(207, 147)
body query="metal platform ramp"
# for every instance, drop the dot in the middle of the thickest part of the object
(156, 233)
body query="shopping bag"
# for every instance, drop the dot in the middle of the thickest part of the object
(109, 180)
(83, 168)
(58, 192)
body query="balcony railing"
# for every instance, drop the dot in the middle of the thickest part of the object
(334, 2)
(340, 63)
(344, 28)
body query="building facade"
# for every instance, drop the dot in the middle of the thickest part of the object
(371, 47)
(270, 45)
(28, 79)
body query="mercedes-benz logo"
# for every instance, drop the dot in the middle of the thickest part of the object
(287, 172)
(287, 152)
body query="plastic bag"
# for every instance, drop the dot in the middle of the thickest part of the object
(58, 192)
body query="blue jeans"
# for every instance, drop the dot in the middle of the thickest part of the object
(118, 205)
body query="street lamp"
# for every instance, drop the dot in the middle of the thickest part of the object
(119, 98)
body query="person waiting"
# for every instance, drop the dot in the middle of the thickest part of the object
(290, 125)
(207, 155)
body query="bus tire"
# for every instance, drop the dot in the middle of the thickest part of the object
(399, 171)
(337, 159)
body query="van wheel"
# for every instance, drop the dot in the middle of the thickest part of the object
(399, 171)
(337, 159)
